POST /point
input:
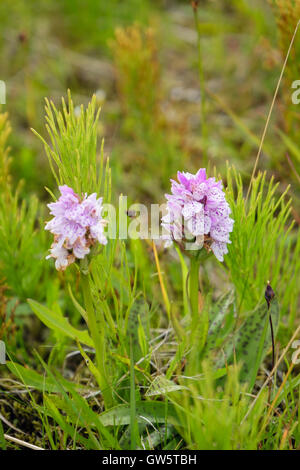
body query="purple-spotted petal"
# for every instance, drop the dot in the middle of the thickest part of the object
(200, 202)
(77, 224)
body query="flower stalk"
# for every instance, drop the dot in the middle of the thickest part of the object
(97, 329)
(194, 289)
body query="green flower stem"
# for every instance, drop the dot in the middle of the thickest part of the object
(194, 289)
(133, 421)
(97, 331)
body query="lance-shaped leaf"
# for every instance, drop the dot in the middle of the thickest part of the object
(250, 344)
(146, 412)
(137, 318)
(57, 322)
(221, 320)
(44, 383)
(161, 386)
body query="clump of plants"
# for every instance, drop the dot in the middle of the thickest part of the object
(146, 364)
(170, 324)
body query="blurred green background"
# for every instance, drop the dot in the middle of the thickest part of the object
(140, 58)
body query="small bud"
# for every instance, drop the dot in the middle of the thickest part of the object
(269, 294)
(22, 37)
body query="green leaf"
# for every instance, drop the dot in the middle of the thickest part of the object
(137, 318)
(153, 411)
(69, 430)
(161, 386)
(78, 410)
(221, 320)
(57, 322)
(251, 342)
(30, 378)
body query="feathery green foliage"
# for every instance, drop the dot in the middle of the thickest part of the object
(264, 244)
(22, 245)
(73, 151)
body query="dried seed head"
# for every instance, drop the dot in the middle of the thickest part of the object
(269, 294)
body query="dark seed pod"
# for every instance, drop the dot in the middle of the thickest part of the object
(269, 294)
(22, 37)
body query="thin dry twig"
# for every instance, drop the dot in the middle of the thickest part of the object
(9, 424)
(271, 108)
(22, 443)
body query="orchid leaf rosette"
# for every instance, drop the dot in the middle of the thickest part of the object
(77, 226)
(197, 219)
